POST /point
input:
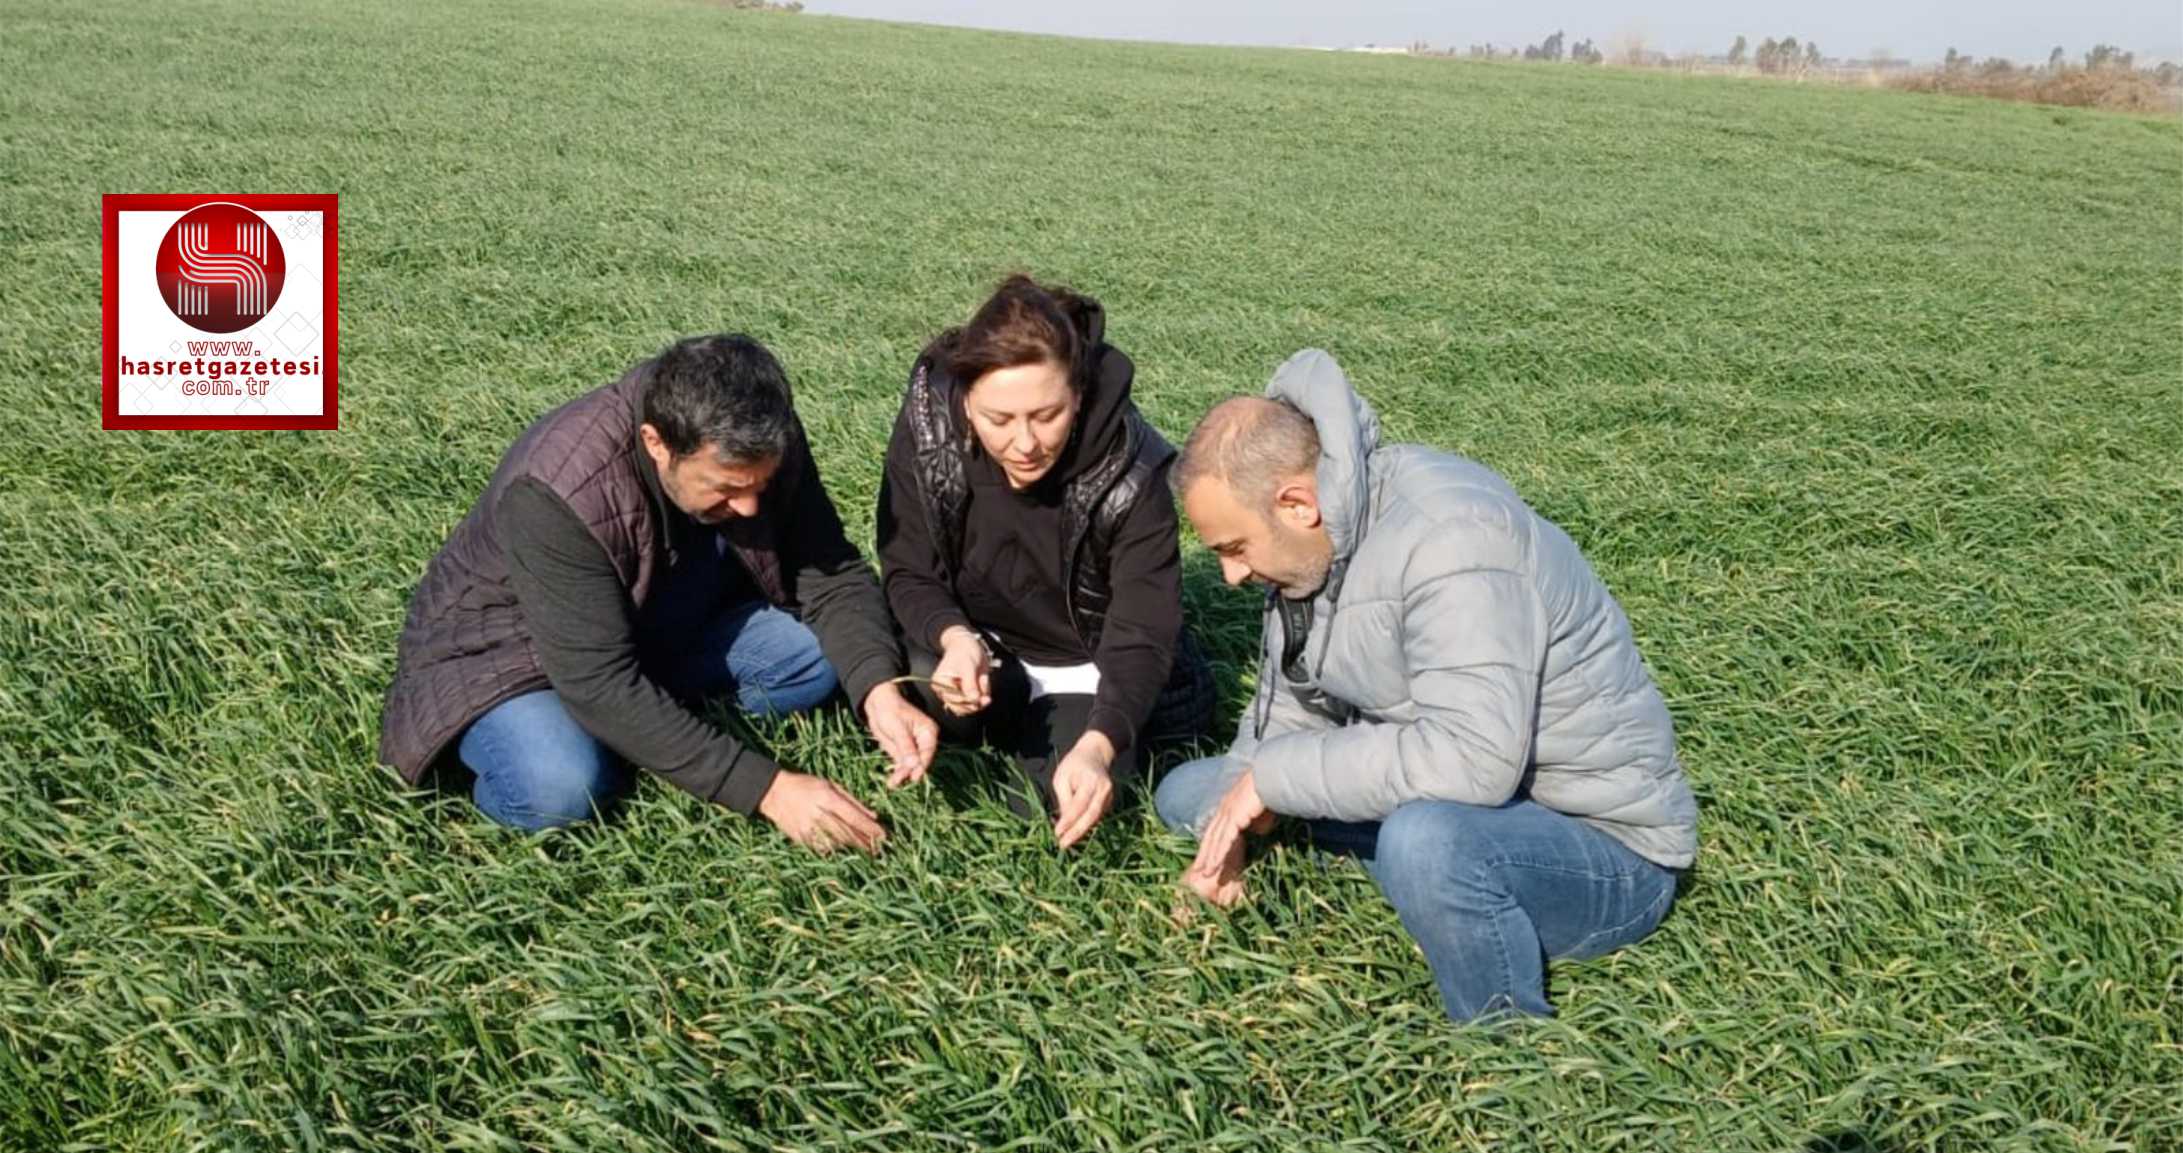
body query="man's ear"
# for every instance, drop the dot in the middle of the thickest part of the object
(655, 446)
(1296, 504)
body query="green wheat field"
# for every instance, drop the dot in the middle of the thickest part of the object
(1868, 405)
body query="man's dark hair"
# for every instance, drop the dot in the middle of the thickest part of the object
(725, 391)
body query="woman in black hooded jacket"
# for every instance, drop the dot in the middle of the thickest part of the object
(1028, 549)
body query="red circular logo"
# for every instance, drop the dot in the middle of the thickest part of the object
(220, 268)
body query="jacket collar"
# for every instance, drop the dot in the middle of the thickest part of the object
(673, 522)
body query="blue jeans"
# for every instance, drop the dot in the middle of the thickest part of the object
(537, 768)
(1489, 894)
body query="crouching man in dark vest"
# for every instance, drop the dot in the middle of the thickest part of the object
(644, 546)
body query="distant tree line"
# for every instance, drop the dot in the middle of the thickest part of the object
(2102, 58)
(1789, 56)
(1776, 57)
(1553, 49)
(2106, 77)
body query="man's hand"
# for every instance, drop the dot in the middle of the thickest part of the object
(1083, 792)
(1217, 873)
(818, 816)
(904, 732)
(960, 679)
(1224, 885)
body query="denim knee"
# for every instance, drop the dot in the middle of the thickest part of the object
(793, 686)
(778, 665)
(536, 767)
(1188, 792)
(558, 792)
(1423, 846)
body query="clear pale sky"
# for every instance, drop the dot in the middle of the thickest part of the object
(2024, 30)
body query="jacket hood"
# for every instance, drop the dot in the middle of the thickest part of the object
(1349, 431)
(1102, 419)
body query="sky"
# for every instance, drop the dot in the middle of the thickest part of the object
(2024, 30)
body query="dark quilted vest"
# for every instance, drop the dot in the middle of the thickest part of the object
(464, 646)
(1094, 505)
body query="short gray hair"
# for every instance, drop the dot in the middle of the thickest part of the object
(1251, 444)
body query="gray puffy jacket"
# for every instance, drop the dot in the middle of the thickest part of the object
(1462, 650)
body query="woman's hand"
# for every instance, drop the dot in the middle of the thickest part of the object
(1083, 792)
(960, 680)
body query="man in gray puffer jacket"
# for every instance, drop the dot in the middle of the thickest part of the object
(1446, 690)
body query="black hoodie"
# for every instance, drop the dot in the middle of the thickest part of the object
(1011, 579)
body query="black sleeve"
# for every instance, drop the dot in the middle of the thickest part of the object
(908, 560)
(835, 588)
(582, 622)
(1144, 620)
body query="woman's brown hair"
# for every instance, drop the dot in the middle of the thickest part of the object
(1023, 322)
